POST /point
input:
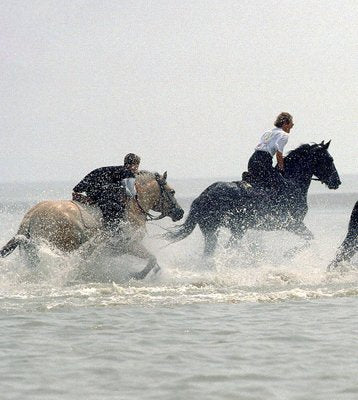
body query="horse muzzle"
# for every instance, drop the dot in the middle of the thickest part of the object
(333, 182)
(333, 186)
(176, 214)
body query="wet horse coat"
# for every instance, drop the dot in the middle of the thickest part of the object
(349, 246)
(69, 226)
(239, 206)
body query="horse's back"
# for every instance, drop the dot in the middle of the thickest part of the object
(226, 192)
(64, 223)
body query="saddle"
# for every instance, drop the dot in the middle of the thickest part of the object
(258, 187)
(250, 179)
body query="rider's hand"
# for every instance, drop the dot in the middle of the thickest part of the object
(76, 196)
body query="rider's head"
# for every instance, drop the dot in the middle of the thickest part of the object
(284, 121)
(131, 161)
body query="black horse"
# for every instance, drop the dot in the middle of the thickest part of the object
(349, 245)
(240, 206)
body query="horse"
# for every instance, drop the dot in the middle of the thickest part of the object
(349, 245)
(71, 226)
(240, 206)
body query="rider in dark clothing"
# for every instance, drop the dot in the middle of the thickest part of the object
(109, 188)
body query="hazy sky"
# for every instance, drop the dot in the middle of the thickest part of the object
(188, 85)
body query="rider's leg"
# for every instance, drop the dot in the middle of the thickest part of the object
(259, 166)
(112, 207)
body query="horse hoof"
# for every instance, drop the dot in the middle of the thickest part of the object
(138, 276)
(289, 254)
(156, 269)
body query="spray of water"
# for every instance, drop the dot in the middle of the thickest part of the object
(255, 271)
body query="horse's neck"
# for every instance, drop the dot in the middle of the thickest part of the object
(299, 175)
(146, 196)
(138, 208)
(135, 215)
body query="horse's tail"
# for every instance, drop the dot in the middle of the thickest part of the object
(11, 245)
(182, 231)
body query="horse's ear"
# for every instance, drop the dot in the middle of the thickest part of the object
(165, 175)
(327, 144)
(322, 143)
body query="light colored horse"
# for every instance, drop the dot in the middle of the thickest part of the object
(69, 225)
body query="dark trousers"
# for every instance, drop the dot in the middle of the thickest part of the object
(261, 170)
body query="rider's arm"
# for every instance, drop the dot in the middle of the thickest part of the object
(279, 158)
(280, 144)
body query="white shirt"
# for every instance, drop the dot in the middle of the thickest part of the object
(273, 141)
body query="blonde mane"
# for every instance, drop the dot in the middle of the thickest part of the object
(144, 176)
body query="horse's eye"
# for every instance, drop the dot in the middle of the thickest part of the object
(172, 192)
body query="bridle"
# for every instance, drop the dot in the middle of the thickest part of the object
(163, 193)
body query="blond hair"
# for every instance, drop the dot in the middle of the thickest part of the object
(282, 119)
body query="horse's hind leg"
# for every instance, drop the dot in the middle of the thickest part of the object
(236, 236)
(29, 253)
(211, 240)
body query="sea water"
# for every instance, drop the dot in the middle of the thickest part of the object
(248, 325)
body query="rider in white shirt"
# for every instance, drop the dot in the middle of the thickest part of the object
(272, 143)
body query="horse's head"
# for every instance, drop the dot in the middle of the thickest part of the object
(167, 204)
(312, 160)
(323, 165)
(155, 194)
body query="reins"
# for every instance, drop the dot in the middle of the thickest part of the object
(148, 215)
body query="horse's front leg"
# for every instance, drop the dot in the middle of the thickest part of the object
(303, 232)
(346, 251)
(140, 251)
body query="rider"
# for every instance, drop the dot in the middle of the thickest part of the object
(110, 188)
(272, 143)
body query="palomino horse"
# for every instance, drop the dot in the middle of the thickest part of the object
(240, 206)
(69, 226)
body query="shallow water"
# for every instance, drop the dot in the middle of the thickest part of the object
(249, 325)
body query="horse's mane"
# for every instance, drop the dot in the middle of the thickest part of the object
(144, 176)
(299, 156)
(300, 152)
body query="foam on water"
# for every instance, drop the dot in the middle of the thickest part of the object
(256, 272)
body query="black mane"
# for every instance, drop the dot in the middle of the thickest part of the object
(298, 157)
(301, 151)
